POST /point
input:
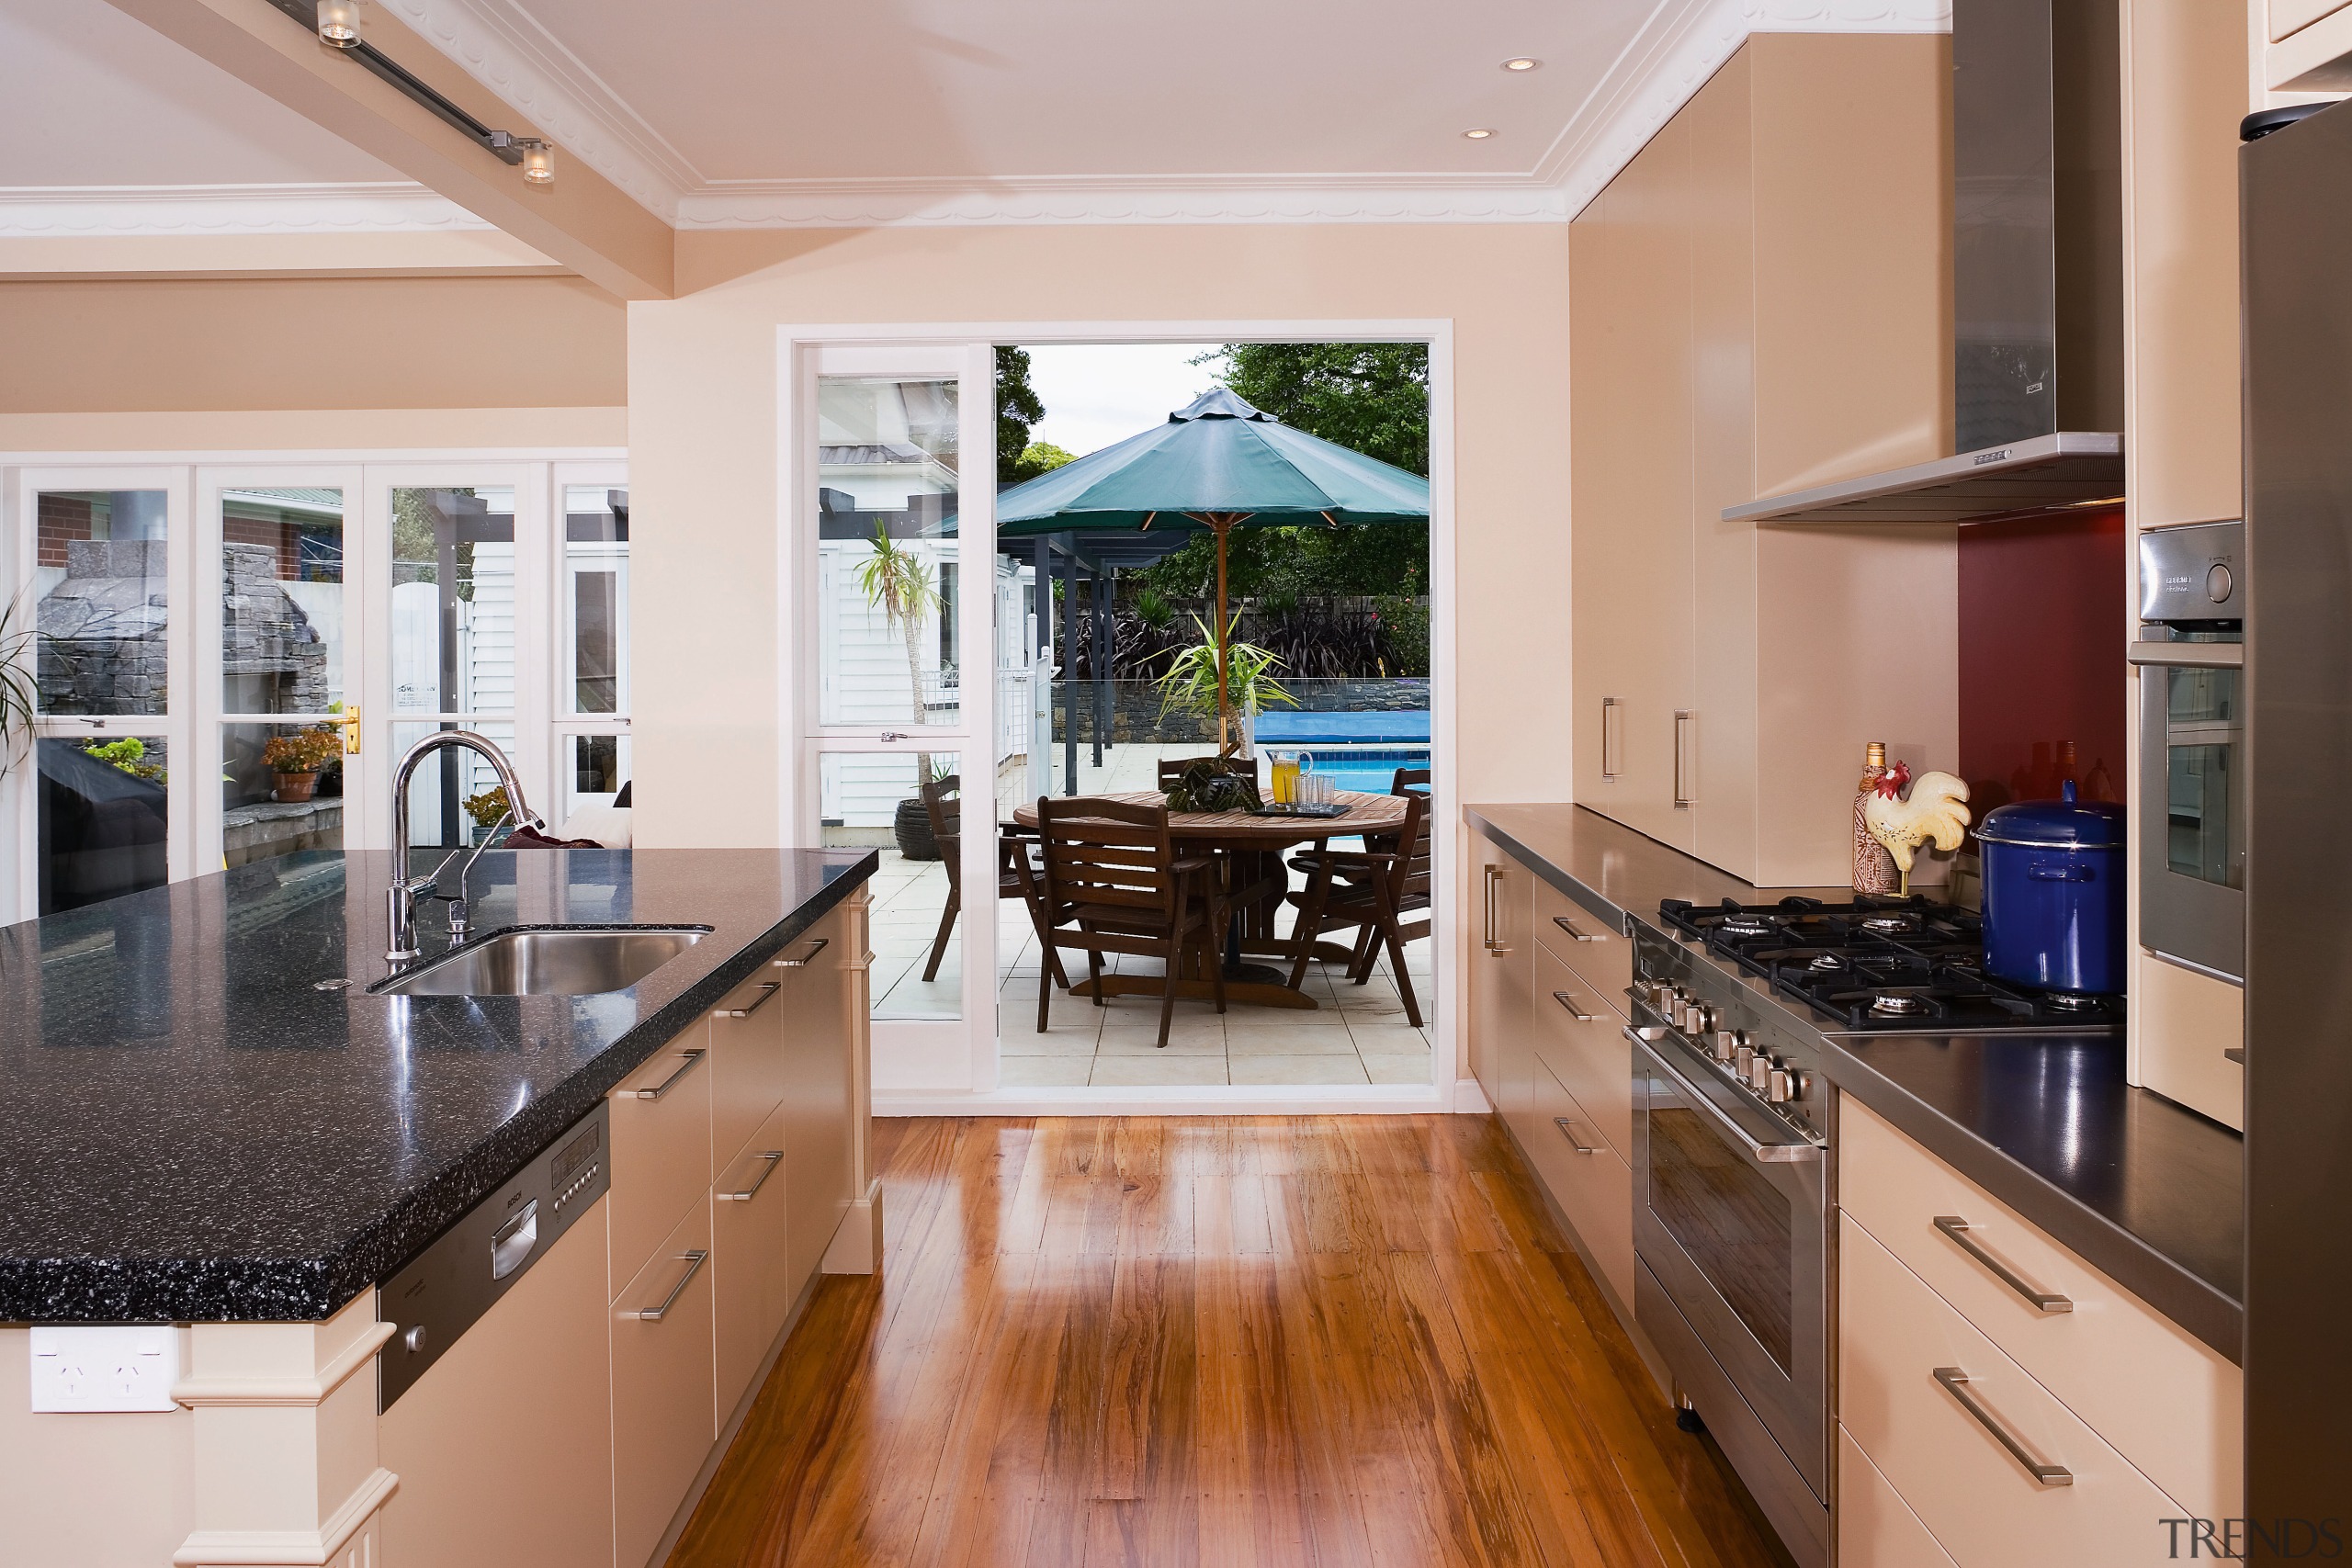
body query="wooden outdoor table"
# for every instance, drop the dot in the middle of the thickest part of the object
(1240, 832)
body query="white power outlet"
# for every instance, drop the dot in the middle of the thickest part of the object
(77, 1369)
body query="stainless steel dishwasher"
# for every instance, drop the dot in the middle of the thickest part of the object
(452, 1283)
(494, 1391)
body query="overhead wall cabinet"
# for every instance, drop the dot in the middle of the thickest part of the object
(1759, 302)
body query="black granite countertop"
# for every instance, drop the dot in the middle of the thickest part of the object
(191, 1131)
(2149, 1192)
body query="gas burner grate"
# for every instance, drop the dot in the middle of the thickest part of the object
(1881, 963)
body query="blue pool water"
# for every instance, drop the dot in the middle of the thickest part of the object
(1371, 769)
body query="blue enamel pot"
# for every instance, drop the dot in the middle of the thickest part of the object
(2054, 893)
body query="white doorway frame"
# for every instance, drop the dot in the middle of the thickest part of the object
(796, 470)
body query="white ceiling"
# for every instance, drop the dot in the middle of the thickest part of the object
(89, 96)
(749, 90)
(763, 113)
(757, 113)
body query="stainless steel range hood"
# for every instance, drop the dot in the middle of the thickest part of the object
(2036, 281)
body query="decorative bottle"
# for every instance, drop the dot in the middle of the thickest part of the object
(1874, 867)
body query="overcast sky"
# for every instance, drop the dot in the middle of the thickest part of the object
(1099, 393)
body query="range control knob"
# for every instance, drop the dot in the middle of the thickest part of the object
(1701, 1019)
(1781, 1087)
(1729, 1041)
(1760, 1069)
(1742, 1056)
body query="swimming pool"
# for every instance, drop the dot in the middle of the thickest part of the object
(1370, 770)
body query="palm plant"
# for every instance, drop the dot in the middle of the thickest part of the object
(897, 582)
(1190, 684)
(19, 688)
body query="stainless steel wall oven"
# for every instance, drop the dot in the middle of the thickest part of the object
(2191, 653)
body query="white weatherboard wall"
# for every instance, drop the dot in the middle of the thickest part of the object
(711, 640)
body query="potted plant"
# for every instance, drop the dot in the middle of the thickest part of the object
(487, 808)
(1190, 684)
(296, 759)
(897, 583)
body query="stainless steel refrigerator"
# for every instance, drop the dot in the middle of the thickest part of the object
(2296, 217)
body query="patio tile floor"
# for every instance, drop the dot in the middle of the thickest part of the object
(1358, 1035)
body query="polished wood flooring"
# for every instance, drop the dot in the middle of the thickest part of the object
(1346, 1340)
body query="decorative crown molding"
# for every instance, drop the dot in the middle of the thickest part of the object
(1847, 16)
(86, 211)
(861, 204)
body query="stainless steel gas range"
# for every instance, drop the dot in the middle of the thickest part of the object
(1734, 1158)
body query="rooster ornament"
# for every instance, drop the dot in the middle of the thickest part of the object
(1935, 811)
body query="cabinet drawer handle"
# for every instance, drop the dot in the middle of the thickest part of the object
(1685, 764)
(1567, 1131)
(1956, 1228)
(1955, 1382)
(666, 1085)
(807, 958)
(770, 1158)
(693, 1261)
(1613, 736)
(1494, 873)
(1575, 1008)
(767, 993)
(1575, 934)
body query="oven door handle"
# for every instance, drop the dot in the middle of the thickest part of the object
(2189, 655)
(1768, 1153)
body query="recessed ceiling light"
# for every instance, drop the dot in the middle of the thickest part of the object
(1478, 133)
(1522, 63)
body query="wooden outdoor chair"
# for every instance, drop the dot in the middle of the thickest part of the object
(1414, 781)
(1016, 874)
(1373, 891)
(1114, 883)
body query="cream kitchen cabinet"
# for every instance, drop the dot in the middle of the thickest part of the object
(1757, 304)
(1973, 1348)
(1558, 1073)
(1502, 972)
(637, 1340)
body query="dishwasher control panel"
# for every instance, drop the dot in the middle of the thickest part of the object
(445, 1289)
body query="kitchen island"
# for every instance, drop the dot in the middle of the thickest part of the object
(209, 1122)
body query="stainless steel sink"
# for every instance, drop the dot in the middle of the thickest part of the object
(562, 962)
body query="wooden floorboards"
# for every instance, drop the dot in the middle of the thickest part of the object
(1267, 1340)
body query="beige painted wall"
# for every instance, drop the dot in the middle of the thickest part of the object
(703, 451)
(200, 344)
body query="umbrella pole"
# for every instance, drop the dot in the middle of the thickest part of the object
(1224, 742)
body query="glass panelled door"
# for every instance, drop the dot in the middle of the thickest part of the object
(592, 702)
(454, 548)
(895, 573)
(282, 607)
(100, 794)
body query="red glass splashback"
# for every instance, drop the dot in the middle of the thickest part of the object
(2042, 624)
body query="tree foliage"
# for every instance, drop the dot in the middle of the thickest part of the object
(1018, 407)
(1372, 397)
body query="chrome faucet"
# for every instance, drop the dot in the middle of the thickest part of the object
(400, 899)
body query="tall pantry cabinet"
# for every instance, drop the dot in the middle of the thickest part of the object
(1759, 302)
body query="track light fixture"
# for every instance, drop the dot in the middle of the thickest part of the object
(337, 23)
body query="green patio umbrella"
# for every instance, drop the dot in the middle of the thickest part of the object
(1219, 465)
